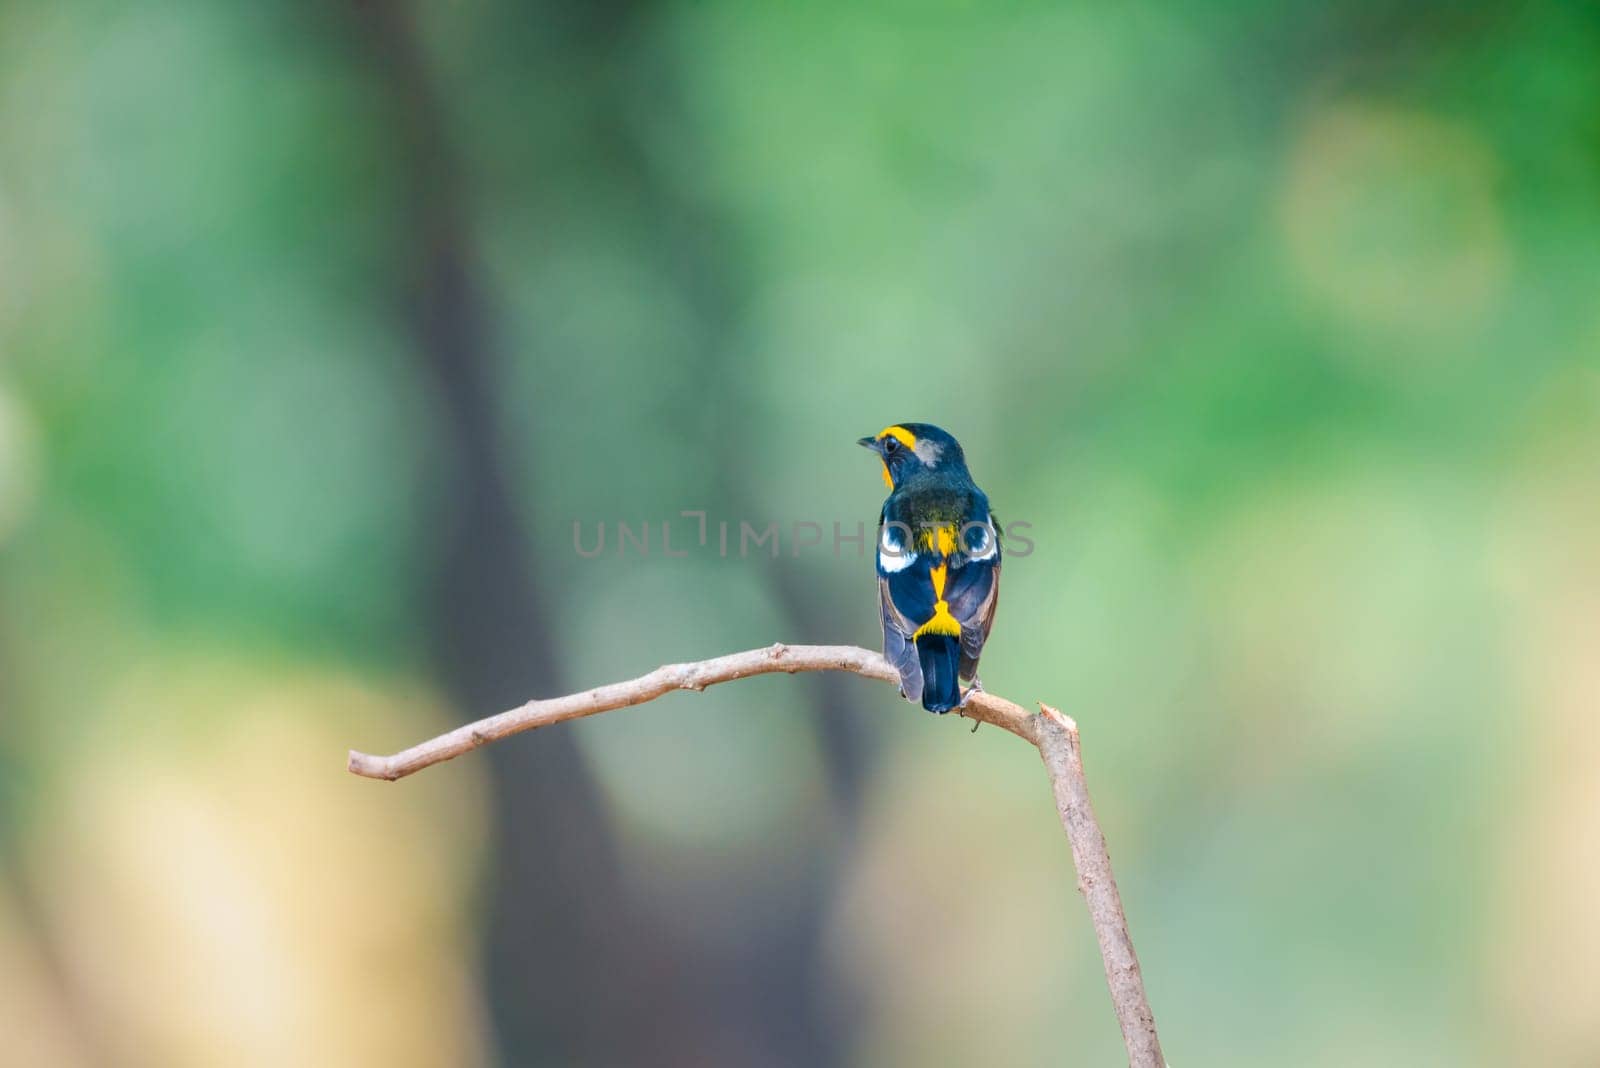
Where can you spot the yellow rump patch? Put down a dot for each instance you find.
(942, 622)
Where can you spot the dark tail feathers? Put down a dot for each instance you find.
(940, 655)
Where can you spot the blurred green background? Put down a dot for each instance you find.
(320, 324)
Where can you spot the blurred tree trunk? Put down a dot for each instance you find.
(775, 980)
(573, 976)
(786, 968)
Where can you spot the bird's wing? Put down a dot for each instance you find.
(973, 592)
(898, 648)
(905, 601)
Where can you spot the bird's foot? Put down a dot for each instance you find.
(975, 687)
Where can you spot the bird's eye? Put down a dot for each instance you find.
(892, 445)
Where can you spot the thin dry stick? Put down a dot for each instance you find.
(1063, 759)
(1055, 736)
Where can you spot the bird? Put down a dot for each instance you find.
(938, 564)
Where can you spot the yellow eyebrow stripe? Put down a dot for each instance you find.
(900, 434)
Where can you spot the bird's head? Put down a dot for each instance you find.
(910, 448)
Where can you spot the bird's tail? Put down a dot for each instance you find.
(940, 655)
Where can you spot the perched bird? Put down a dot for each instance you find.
(938, 564)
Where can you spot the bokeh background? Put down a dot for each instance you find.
(320, 324)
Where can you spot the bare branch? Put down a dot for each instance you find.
(1055, 736)
(1063, 759)
(664, 680)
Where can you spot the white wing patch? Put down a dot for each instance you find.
(980, 541)
(893, 556)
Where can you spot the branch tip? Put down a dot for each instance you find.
(1058, 718)
(368, 766)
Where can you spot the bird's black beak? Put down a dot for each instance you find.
(871, 443)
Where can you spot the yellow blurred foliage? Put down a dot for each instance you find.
(37, 1029)
(1546, 941)
(223, 892)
